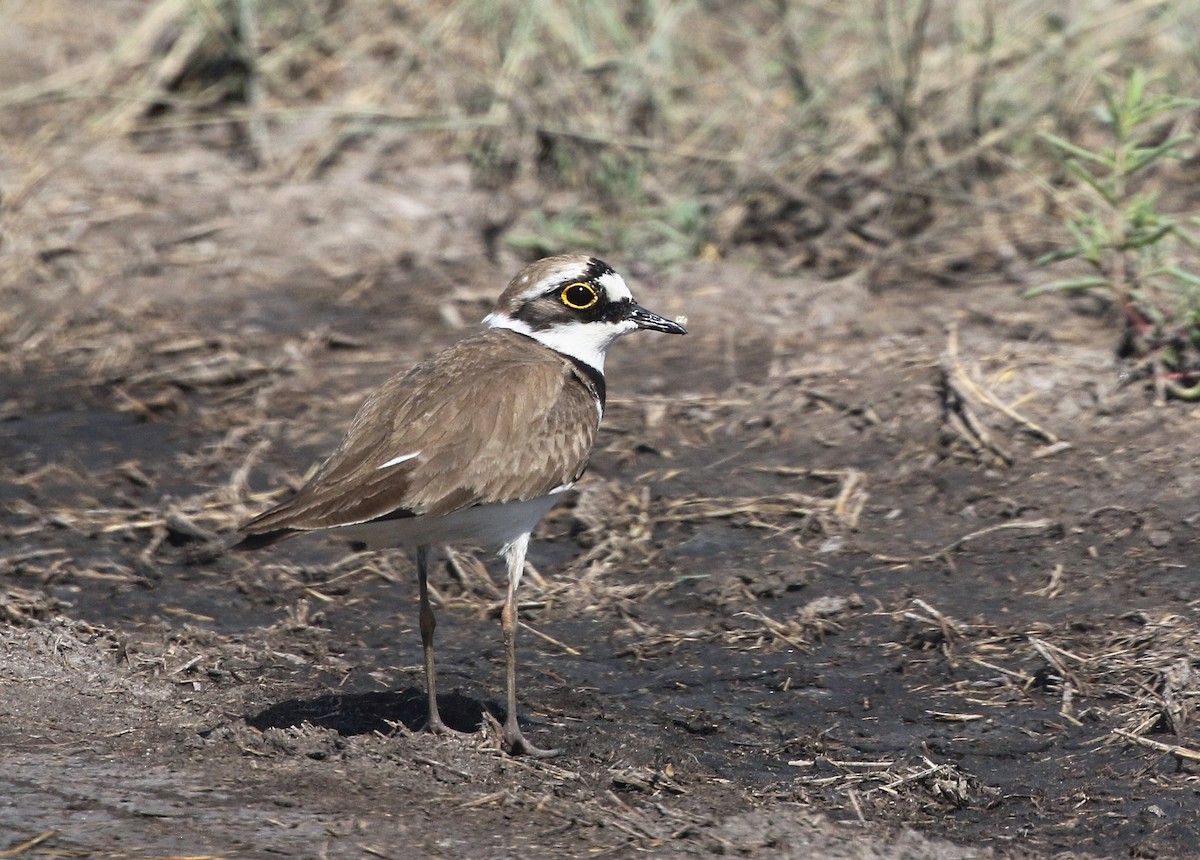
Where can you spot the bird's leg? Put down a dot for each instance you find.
(514, 556)
(428, 624)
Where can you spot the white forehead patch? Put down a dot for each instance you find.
(614, 286)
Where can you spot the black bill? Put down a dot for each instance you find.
(650, 320)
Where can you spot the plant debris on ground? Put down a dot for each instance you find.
(883, 559)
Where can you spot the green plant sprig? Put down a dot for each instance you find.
(1129, 243)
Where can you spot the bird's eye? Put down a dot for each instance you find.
(579, 296)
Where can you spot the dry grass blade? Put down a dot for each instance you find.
(959, 418)
(756, 509)
(1183, 753)
(1020, 525)
(19, 606)
(950, 629)
(28, 844)
(645, 779)
(546, 637)
(1142, 680)
(943, 783)
(786, 633)
(471, 573)
(866, 765)
(832, 516)
(956, 718)
(818, 618)
(1054, 587)
(183, 324)
(960, 391)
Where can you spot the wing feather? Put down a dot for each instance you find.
(495, 418)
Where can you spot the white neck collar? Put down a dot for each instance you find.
(584, 342)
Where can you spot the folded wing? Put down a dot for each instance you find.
(496, 418)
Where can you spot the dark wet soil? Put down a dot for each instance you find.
(790, 613)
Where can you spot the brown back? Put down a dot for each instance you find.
(496, 418)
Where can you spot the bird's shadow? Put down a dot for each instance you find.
(366, 713)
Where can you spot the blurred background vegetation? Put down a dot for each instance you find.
(900, 141)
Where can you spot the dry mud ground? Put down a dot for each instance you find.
(819, 594)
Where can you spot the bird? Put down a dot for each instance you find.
(477, 443)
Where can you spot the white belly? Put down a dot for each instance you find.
(489, 526)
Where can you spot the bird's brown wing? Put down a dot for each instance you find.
(495, 418)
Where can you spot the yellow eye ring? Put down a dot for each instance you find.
(579, 296)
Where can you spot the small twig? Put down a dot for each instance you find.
(931, 770)
(470, 572)
(483, 801)
(811, 762)
(956, 409)
(441, 765)
(955, 718)
(563, 645)
(1024, 678)
(1043, 647)
(1172, 749)
(953, 545)
(949, 625)
(959, 386)
(853, 795)
(188, 666)
(1070, 681)
(1054, 587)
(18, 850)
(779, 631)
(1068, 703)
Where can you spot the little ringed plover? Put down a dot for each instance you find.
(477, 443)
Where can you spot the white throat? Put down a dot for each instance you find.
(585, 342)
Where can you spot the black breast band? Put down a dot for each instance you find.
(589, 376)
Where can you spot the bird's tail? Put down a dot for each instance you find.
(258, 540)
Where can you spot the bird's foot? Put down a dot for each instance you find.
(517, 745)
(435, 726)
